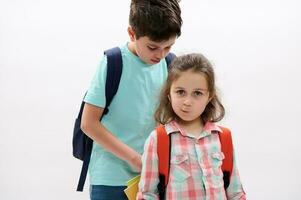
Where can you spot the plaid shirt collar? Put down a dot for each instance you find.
(209, 128)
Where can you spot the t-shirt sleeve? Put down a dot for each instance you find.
(96, 92)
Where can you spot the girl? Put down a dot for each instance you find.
(189, 108)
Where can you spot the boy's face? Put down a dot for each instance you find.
(149, 51)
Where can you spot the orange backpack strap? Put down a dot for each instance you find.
(163, 151)
(227, 149)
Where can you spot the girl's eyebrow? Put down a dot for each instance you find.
(196, 89)
(179, 88)
(193, 89)
(201, 89)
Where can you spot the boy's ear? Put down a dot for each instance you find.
(131, 33)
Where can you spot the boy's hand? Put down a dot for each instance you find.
(136, 162)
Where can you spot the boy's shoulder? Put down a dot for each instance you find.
(130, 59)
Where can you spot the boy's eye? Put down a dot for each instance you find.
(151, 48)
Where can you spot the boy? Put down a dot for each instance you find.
(119, 138)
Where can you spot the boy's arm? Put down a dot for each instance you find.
(235, 190)
(150, 174)
(96, 131)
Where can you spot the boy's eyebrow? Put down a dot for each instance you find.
(154, 45)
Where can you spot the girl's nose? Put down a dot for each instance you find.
(187, 102)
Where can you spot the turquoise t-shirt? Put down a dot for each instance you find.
(130, 116)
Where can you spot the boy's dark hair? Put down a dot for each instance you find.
(157, 19)
(197, 63)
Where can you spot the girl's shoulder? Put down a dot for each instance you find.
(153, 136)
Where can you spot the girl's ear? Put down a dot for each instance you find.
(210, 98)
(131, 33)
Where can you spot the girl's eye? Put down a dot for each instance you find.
(198, 93)
(180, 92)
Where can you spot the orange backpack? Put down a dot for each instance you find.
(164, 149)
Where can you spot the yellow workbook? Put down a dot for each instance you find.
(132, 188)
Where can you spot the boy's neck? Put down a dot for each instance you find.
(132, 48)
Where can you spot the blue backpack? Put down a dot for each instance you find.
(82, 144)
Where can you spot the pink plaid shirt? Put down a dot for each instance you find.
(195, 167)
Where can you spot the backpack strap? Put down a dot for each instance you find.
(227, 148)
(114, 70)
(164, 147)
(163, 151)
(85, 166)
(169, 58)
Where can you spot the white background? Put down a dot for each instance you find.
(49, 51)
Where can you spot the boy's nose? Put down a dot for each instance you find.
(160, 54)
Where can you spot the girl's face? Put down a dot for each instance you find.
(189, 96)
